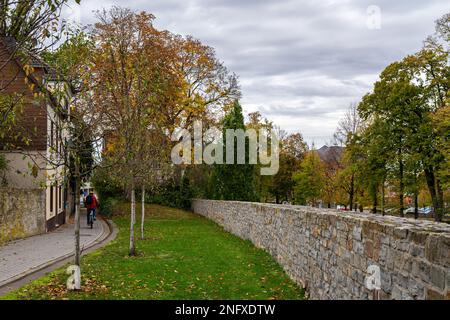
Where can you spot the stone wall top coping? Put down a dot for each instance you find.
(389, 221)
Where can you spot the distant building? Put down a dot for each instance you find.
(331, 155)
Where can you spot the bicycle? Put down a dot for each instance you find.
(91, 218)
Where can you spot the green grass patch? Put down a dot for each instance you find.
(184, 256)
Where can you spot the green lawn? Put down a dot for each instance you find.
(183, 257)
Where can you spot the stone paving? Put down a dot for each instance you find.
(19, 257)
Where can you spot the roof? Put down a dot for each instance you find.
(51, 74)
(330, 154)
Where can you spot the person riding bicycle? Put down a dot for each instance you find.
(91, 204)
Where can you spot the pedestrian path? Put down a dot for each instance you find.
(22, 257)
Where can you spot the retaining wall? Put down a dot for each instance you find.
(329, 252)
(22, 213)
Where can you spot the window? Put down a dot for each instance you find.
(51, 198)
(57, 141)
(56, 197)
(51, 133)
(60, 197)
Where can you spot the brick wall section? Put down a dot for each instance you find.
(22, 213)
(329, 251)
(32, 122)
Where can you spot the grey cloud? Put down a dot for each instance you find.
(300, 62)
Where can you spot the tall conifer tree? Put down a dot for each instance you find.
(234, 181)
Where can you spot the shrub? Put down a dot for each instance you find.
(3, 167)
(172, 195)
(105, 186)
(107, 206)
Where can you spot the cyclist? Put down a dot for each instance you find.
(91, 204)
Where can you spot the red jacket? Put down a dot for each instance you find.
(94, 203)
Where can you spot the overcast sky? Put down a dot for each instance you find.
(300, 62)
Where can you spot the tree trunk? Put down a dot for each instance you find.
(77, 213)
(352, 191)
(142, 212)
(133, 218)
(382, 199)
(429, 177)
(374, 198)
(375, 203)
(416, 205)
(402, 185)
(439, 211)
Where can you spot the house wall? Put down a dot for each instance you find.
(22, 213)
(55, 174)
(19, 176)
(32, 121)
(55, 202)
(33, 135)
(19, 172)
(329, 251)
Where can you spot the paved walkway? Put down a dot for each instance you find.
(24, 256)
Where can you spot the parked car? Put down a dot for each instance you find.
(411, 210)
(424, 211)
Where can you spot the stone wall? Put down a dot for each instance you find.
(329, 252)
(22, 213)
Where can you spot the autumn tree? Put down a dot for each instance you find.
(348, 127)
(347, 175)
(369, 157)
(441, 121)
(123, 91)
(332, 165)
(392, 101)
(142, 88)
(292, 152)
(208, 87)
(153, 155)
(405, 99)
(431, 74)
(309, 180)
(71, 63)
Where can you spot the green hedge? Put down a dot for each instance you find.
(107, 206)
(172, 195)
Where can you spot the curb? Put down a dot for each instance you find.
(109, 233)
